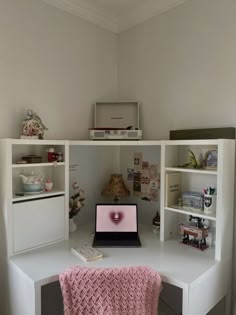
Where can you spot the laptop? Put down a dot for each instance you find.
(116, 225)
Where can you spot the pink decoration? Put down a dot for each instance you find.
(110, 291)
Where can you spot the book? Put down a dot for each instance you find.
(87, 253)
(173, 189)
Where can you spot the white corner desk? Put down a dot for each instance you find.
(196, 273)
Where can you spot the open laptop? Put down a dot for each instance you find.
(116, 225)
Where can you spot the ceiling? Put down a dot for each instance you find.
(115, 15)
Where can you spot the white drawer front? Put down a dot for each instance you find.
(38, 222)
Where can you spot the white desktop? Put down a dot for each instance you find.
(178, 265)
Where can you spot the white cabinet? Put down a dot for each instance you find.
(37, 222)
(33, 219)
(220, 220)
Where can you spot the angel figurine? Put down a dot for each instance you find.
(33, 126)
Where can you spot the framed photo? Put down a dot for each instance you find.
(211, 159)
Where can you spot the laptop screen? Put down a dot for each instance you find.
(116, 218)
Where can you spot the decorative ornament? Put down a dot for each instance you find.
(32, 126)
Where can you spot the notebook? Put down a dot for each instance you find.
(116, 225)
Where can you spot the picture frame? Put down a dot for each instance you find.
(211, 158)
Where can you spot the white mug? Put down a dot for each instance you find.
(209, 203)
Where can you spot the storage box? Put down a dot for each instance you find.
(193, 200)
(209, 133)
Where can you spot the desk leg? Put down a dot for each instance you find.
(185, 302)
(37, 296)
(228, 302)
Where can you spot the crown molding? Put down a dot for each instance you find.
(143, 13)
(88, 13)
(101, 18)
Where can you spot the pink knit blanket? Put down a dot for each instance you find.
(110, 291)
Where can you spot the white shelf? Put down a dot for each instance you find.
(176, 153)
(43, 194)
(54, 164)
(191, 170)
(195, 212)
(39, 142)
(201, 142)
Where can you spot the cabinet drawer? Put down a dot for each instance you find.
(38, 222)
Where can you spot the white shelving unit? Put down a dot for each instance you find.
(175, 153)
(36, 219)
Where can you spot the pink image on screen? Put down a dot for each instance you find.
(116, 218)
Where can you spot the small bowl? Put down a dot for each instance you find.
(32, 187)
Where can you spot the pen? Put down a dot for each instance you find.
(212, 191)
(209, 190)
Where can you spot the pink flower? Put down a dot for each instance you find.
(82, 193)
(76, 200)
(75, 185)
(79, 204)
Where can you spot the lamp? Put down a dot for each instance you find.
(116, 187)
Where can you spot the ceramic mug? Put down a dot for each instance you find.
(59, 157)
(209, 203)
(52, 156)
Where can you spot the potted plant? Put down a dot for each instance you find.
(76, 203)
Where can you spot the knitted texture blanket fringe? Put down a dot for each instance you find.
(110, 291)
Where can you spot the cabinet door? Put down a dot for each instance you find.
(38, 222)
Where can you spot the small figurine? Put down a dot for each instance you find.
(33, 126)
(180, 202)
(156, 219)
(194, 234)
(156, 223)
(48, 185)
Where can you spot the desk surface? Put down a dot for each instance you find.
(178, 264)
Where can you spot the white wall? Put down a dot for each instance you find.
(54, 63)
(182, 66)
